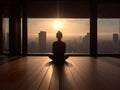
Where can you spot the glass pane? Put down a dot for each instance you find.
(108, 36)
(5, 35)
(42, 34)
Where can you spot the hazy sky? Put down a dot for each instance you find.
(69, 27)
(108, 26)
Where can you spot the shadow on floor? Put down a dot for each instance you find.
(60, 74)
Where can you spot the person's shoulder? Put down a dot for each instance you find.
(54, 42)
(63, 42)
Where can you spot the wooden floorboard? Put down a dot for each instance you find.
(77, 73)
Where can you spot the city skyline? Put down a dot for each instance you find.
(74, 45)
(105, 40)
(77, 45)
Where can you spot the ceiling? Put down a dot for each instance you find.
(67, 8)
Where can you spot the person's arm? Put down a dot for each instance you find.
(53, 48)
(64, 47)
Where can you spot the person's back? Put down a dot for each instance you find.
(59, 49)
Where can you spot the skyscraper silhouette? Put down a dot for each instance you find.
(86, 43)
(115, 43)
(42, 41)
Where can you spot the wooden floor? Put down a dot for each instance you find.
(78, 73)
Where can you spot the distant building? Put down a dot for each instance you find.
(42, 41)
(116, 42)
(86, 43)
(32, 48)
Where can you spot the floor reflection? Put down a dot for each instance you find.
(59, 79)
(77, 73)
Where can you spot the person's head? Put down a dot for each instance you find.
(59, 35)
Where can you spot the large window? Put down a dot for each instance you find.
(108, 28)
(42, 33)
(108, 36)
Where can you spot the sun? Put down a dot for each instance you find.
(58, 24)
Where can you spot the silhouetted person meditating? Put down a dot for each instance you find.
(59, 49)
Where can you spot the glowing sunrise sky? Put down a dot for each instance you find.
(69, 27)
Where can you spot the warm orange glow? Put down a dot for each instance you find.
(58, 24)
(68, 26)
